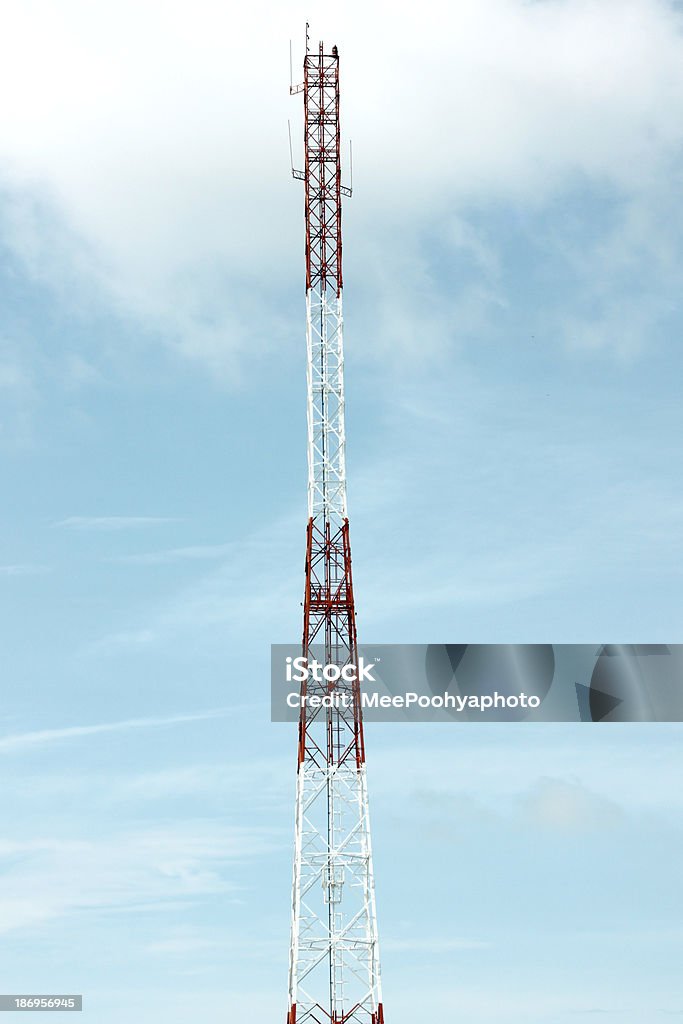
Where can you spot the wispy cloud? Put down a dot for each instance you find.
(433, 946)
(257, 579)
(154, 867)
(187, 941)
(568, 806)
(112, 522)
(196, 552)
(270, 778)
(24, 569)
(42, 737)
(125, 638)
(545, 767)
(191, 785)
(18, 395)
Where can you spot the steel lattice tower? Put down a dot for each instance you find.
(334, 973)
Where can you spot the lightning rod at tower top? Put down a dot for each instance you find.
(334, 967)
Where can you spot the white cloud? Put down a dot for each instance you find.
(145, 148)
(184, 942)
(256, 582)
(518, 772)
(192, 552)
(45, 879)
(23, 569)
(567, 806)
(112, 522)
(21, 741)
(270, 783)
(433, 946)
(17, 396)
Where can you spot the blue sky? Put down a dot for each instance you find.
(513, 261)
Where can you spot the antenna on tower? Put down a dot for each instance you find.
(294, 89)
(347, 190)
(299, 175)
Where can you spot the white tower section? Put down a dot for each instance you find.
(326, 434)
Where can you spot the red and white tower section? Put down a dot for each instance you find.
(334, 972)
